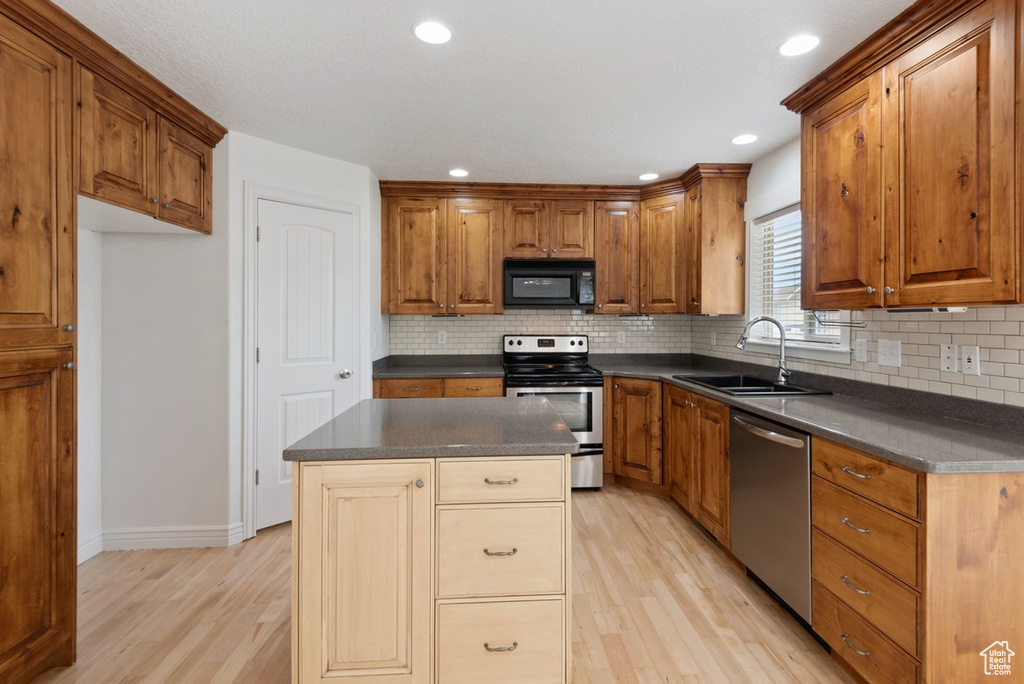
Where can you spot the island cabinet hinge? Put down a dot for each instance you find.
(257, 477)
(257, 354)
(257, 233)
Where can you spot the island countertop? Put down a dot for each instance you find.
(428, 428)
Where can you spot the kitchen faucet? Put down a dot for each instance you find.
(783, 372)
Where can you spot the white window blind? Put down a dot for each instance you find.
(774, 253)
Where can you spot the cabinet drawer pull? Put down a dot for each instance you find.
(859, 652)
(474, 389)
(845, 579)
(846, 469)
(489, 481)
(410, 389)
(513, 552)
(502, 649)
(846, 521)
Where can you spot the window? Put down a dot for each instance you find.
(774, 253)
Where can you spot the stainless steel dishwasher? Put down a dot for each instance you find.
(770, 491)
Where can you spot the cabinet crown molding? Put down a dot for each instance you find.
(920, 21)
(699, 172)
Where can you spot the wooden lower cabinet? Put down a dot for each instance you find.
(636, 429)
(38, 564)
(677, 444)
(432, 388)
(392, 586)
(710, 447)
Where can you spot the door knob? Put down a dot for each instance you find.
(345, 374)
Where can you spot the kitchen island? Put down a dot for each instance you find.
(431, 542)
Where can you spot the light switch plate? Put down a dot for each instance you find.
(971, 360)
(860, 350)
(622, 337)
(947, 361)
(889, 353)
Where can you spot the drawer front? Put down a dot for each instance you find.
(500, 550)
(875, 658)
(407, 388)
(500, 480)
(887, 604)
(533, 629)
(883, 538)
(876, 480)
(474, 387)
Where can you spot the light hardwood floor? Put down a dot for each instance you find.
(653, 601)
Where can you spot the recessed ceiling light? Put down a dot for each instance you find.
(745, 139)
(798, 45)
(432, 32)
(458, 173)
(648, 176)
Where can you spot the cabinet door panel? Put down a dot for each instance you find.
(711, 472)
(572, 229)
(185, 179)
(37, 500)
(637, 429)
(526, 229)
(842, 192)
(949, 117)
(662, 257)
(118, 161)
(37, 237)
(617, 248)
(365, 588)
(677, 444)
(416, 240)
(474, 256)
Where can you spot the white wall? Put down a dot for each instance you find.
(89, 371)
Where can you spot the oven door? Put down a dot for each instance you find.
(581, 408)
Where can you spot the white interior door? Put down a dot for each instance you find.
(307, 336)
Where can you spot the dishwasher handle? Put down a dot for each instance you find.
(768, 434)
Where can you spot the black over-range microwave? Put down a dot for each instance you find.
(549, 283)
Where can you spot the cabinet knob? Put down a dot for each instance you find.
(70, 365)
(600, 306)
(544, 249)
(167, 205)
(554, 250)
(869, 290)
(889, 290)
(441, 305)
(451, 306)
(694, 301)
(420, 483)
(615, 386)
(643, 306)
(69, 327)
(154, 200)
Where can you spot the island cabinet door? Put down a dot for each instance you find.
(362, 572)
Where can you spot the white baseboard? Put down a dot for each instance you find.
(89, 547)
(132, 538)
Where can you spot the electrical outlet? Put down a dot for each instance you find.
(860, 350)
(971, 360)
(947, 360)
(442, 337)
(889, 353)
(713, 339)
(622, 337)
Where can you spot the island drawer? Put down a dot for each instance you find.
(474, 387)
(500, 479)
(508, 550)
(858, 643)
(408, 388)
(495, 641)
(884, 538)
(877, 480)
(887, 604)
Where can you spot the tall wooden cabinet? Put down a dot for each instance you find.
(909, 155)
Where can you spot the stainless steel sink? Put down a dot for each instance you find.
(748, 385)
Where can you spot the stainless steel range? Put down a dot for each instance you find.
(556, 367)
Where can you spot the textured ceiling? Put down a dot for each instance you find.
(563, 91)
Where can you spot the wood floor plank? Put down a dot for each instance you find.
(654, 600)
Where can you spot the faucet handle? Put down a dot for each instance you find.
(784, 374)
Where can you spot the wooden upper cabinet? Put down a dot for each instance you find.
(948, 165)
(474, 262)
(135, 158)
(37, 232)
(616, 246)
(842, 200)
(543, 229)
(417, 248)
(662, 255)
(716, 238)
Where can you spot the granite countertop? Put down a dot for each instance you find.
(427, 428)
(441, 366)
(927, 443)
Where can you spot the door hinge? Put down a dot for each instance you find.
(257, 477)
(257, 354)
(257, 233)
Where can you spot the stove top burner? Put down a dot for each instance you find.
(548, 360)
